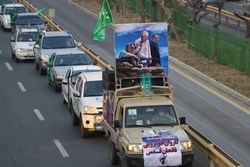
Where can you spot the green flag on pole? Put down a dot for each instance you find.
(12, 16)
(104, 18)
(40, 11)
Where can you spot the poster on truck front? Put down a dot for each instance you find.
(161, 151)
(141, 47)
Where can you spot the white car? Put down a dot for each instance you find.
(22, 43)
(5, 19)
(70, 77)
(86, 107)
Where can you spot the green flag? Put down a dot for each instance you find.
(104, 18)
(40, 11)
(12, 16)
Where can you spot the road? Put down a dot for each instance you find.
(28, 140)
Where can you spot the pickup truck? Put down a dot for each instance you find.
(86, 103)
(141, 121)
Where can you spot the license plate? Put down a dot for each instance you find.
(99, 127)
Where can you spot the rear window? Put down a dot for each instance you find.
(93, 88)
(29, 20)
(2, 2)
(72, 59)
(58, 42)
(26, 36)
(15, 10)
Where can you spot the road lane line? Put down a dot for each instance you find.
(61, 148)
(21, 86)
(8, 66)
(39, 115)
(212, 91)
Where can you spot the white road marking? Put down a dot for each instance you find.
(39, 115)
(8, 66)
(61, 148)
(21, 86)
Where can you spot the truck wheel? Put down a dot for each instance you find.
(64, 101)
(84, 131)
(41, 71)
(75, 120)
(124, 162)
(114, 159)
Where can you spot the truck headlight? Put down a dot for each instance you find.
(135, 147)
(90, 110)
(20, 50)
(6, 21)
(45, 58)
(59, 76)
(186, 145)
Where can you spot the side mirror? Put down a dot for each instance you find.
(79, 44)
(182, 120)
(65, 82)
(95, 62)
(117, 124)
(76, 94)
(12, 39)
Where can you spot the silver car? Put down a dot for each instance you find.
(246, 7)
(60, 62)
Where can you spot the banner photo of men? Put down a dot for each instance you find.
(141, 46)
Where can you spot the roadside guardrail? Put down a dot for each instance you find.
(214, 153)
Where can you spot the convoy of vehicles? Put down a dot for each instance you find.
(22, 43)
(5, 10)
(133, 105)
(49, 43)
(60, 62)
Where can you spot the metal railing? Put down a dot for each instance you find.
(214, 153)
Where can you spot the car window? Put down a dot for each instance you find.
(6, 2)
(93, 88)
(58, 42)
(29, 20)
(81, 59)
(15, 10)
(26, 36)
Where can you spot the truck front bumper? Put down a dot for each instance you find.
(138, 161)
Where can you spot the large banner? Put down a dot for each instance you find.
(141, 45)
(161, 151)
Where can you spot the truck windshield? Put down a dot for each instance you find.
(150, 116)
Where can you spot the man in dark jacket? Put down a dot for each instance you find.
(155, 53)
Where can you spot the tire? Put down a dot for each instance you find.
(16, 59)
(36, 65)
(124, 162)
(74, 118)
(56, 87)
(41, 71)
(114, 158)
(84, 131)
(64, 101)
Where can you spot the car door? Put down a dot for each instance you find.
(65, 87)
(77, 99)
(13, 42)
